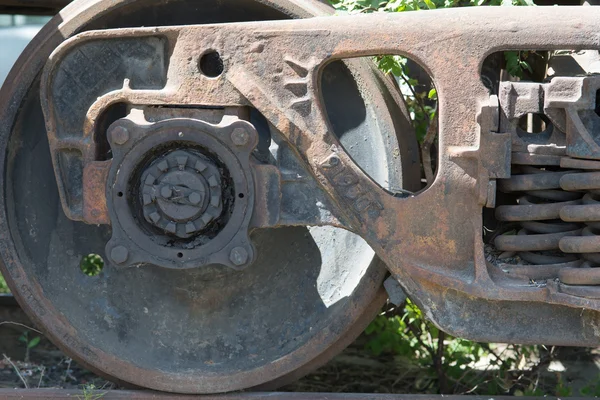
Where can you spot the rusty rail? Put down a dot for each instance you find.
(35, 394)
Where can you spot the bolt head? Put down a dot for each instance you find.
(195, 198)
(119, 254)
(238, 256)
(120, 135)
(190, 228)
(166, 192)
(240, 137)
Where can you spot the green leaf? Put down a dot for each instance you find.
(432, 95)
(429, 4)
(34, 342)
(513, 63)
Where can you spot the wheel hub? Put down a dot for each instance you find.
(181, 193)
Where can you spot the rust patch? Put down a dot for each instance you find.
(95, 175)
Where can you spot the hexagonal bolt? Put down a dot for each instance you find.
(190, 228)
(119, 254)
(195, 198)
(166, 192)
(200, 166)
(147, 199)
(212, 181)
(149, 179)
(171, 227)
(120, 135)
(182, 162)
(238, 256)
(155, 217)
(163, 165)
(240, 137)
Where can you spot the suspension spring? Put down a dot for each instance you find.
(586, 245)
(541, 185)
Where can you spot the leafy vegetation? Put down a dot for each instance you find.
(3, 286)
(365, 6)
(421, 104)
(450, 365)
(91, 264)
(29, 343)
(90, 392)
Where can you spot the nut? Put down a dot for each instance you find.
(120, 135)
(195, 198)
(240, 137)
(166, 192)
(238, 256)
(119, 254)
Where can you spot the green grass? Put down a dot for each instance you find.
(3, 286)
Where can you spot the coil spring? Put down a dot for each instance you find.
(586, 245)
(558, 233)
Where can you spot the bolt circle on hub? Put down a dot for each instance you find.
(238, 256)
(173, 193)
(119, 254)
(181, 192)
(120, 135)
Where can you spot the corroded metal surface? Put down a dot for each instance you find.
(35, 394)
(196, 330)
(428, 255)
(207, 171)
(431, 242)
(95, 174)
(554, 175)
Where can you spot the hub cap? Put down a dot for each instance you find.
(181, 193)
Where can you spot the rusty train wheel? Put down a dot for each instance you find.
(311, 291)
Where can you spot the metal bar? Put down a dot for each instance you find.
(41, 394)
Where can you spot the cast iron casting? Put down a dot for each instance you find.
(431, 242)
(253, 297)
(160, 145)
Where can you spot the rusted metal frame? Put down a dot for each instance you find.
(271, 210)
(282, 200)
(396, 227)
(569, 103)
(430, 242)
(84, 141)
(456, 47)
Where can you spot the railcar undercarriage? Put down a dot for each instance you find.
(249, 178)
